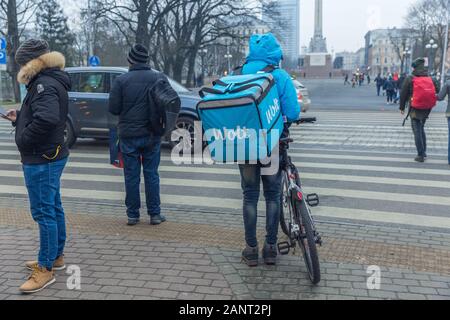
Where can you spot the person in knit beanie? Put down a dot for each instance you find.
(134, 98)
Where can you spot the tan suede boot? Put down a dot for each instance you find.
(58, 265)
(39, 279)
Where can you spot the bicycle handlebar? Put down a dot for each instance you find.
(305, 120)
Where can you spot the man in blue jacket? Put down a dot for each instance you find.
(266, 51)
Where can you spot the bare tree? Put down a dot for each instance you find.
(429, 19)
(15, 15)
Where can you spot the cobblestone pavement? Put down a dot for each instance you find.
(179, 260)
(378, 208)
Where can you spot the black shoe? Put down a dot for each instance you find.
(133, 221)
(157, 220)
(250, 256)
(419, 159)
(270, 254)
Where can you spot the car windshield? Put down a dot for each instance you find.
(178, 87)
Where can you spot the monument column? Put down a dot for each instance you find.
(318, 32)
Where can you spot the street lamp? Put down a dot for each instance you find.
(203, 52)
(406, 54)
(432, 47)
(229, 57)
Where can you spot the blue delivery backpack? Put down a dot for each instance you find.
(241, 118)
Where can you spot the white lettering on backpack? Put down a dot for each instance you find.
(229, 134)
(273, 110)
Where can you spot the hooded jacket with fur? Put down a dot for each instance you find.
(42, 119)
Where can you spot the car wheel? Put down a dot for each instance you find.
(186, 123)
(69, 135)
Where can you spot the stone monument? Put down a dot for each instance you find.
(318, 63)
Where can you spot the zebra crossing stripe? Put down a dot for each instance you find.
(234, 204)
(383, 217)
(218, 169)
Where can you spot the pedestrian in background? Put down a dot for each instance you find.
(346, 80)
(40, 126)
(133, 97)
(379, 83)
(445, 92)
(389, 87)
(419, 91)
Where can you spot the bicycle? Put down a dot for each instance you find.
(295, 217)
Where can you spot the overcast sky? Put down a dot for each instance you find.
(347, 21)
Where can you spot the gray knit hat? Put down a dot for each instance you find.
(30, 50)
(138, 54)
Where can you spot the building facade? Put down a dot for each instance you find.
(384, 51)
(350, 60)
(289, 30)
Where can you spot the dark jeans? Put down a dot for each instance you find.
(141, 152)
(378, 90)
(251, 183)
(43, 182)
(390, 95)
(420, 137)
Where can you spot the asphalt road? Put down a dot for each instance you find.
(331, 94)
(360, 163)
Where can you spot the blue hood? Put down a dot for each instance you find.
(265, 47)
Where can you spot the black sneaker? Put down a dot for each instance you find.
(250, 256)
(133, 221)
(270, 253)
(157, 220)
(419, 159)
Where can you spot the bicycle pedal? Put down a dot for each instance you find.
(284, 248)
(318, 239)
(313, 199)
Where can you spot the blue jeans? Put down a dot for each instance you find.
(141, 152)
(420, 137)
(43, 182)
(251, 181)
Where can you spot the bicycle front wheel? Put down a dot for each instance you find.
(286, 210)
(307, 242)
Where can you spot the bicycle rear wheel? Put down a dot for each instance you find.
(307, 242)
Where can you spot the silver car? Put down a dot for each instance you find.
(302, 95)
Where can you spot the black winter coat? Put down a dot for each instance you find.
(129, 99)
(42, 119)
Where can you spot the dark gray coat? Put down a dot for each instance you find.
(445, 91)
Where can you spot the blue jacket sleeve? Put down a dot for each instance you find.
(288, 97)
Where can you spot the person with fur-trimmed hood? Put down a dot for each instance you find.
(40, 126)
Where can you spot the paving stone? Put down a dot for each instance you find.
(422, 290)
(411, 296)
(167, 294)
(113, 289)
(208, 290)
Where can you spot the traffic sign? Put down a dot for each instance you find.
(3, 44)
(2, 60)
(94, 61)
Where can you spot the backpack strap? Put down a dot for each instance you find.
(238, 70)
(269, 69)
